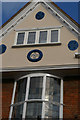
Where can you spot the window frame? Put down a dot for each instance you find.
(42, 99)
(16, 36)
(37, 36)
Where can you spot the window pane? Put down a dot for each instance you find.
(17, 111)
(43, 37)
(51, 111)
(31, 37)
(52, 94)
(34, 110)
(56, 92)
(20, 38)
(49, 88)
(35, 90)
(54, 35)
(52, 89)
(20, 90)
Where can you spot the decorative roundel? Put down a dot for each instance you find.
(73, 45)
(2, 48)
(34, 55)
(40, 15)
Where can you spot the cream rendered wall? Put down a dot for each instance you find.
(52, 55)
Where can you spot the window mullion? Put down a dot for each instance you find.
(26, 97)
(37, 37)
(61, 100)
(26, 37)
(59, 35)
(10, 115)
(15, 42)
(49, 36)
(43, 96)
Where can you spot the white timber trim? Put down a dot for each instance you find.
(12, 102)
(60, 67)
(61, 100)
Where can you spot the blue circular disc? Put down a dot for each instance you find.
(39, 15)
(34, 55)
(2, 48)
(73, 45)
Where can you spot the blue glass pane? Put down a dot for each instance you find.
(39, 15)
(73, 45)
(2, 48)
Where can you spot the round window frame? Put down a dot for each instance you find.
(69, 44)
(3, 48)
(37, 59)
(41, 17)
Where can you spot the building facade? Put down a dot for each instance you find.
(40, 63)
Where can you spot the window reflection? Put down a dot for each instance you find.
(52, 94)
(49, 88)
(56, 92)
(51, 111)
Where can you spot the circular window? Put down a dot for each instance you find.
(2, 48)
(35, 55)
(73, 45)
(39, 15)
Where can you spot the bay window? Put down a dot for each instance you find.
(36, 96)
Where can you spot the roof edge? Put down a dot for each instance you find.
(78, 25)
(15, 14)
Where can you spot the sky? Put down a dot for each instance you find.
(10, 8)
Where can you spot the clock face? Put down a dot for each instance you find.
(40, 15)
(73, 45)
(34, 55)
(2, 48)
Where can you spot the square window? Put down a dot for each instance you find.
(43, 37)
(54, 35)
(20, 38)
(31, 37)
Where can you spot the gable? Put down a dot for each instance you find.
(30, 21)
(53, 54)
(51, 7)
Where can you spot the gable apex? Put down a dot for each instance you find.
(50, 6)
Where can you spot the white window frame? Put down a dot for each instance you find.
(44, 75)
(37, 36)
(15, 42)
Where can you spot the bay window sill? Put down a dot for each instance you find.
(32, 45)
